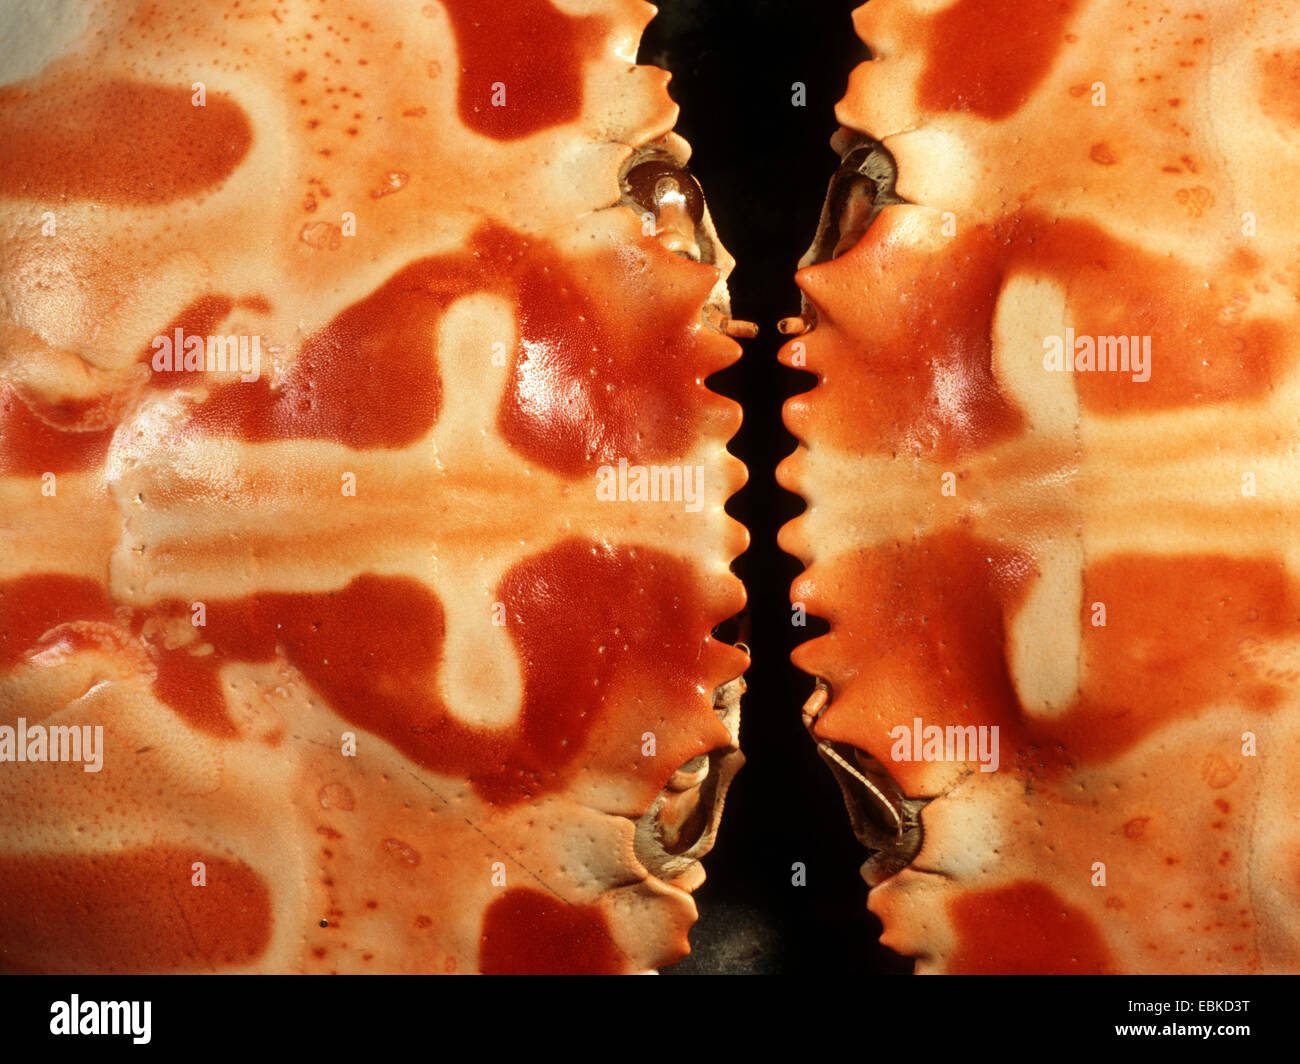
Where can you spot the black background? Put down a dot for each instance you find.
(764, 164)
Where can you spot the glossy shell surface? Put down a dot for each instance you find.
(387, 681)
(1100, 564)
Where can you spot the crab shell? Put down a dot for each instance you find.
(386, 681)
(1100, 564)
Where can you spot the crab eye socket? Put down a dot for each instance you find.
(857, 208)
(671, 203)
(859, 190)
(691, 774)
(657, 183)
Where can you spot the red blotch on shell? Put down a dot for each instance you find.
(533, 52)
(118, 142)
(135, 911)
(1024, 929)
(526, 932)
(988, 56)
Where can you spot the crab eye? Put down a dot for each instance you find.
(673, 198)
(657, 181)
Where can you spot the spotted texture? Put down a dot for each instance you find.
(385, 685)
(1101, 564)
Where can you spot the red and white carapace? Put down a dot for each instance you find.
(1051, 473)
(361, 501)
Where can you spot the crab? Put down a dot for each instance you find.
(363, 532)
(1050, 469)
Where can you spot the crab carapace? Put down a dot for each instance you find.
(361, 501)
(1050, 468)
